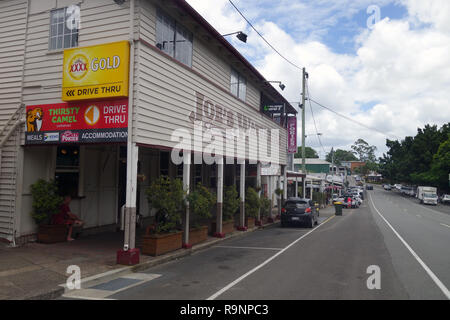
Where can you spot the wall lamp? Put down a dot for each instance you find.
(240, 35)
(282, 86)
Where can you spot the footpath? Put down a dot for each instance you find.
(39, 271)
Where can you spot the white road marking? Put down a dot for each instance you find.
(232, 284)
(436, 280)
(99, 294)
(418, 215)
(445, 225)
(258, 248)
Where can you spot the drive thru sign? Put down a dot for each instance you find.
(96, 72)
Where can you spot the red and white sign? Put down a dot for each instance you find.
(292, 134)
(84, 122)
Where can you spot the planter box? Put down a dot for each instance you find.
(157, 244)
(52, 233)
(198, 235)
(227, 227)
(250, 222)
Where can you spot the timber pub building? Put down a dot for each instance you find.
(91, 92)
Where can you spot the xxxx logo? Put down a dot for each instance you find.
(78, 67)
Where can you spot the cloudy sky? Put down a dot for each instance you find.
(392, 75)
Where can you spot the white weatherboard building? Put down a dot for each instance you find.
(180, 71)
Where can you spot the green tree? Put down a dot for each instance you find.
(46, 201)
(419, 159)
(231, 202)
(309, 153)
(365, 151)
(341, 155)
(252, 203)
(167, 197)
(201, 202)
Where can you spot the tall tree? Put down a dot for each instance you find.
(420, 159)
(341, 155)
(365, 151)
(309, 153)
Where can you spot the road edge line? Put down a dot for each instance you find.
(436, 280)
(245, 275)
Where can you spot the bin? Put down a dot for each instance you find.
(338, 208)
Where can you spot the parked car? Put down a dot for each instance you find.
(445, 199)
(387, 187)
(297, 211)
(352, 203)
(369, 187)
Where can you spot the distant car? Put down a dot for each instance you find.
(387, 187)
(297, 211)
(369, 187)
(349, 201)
(446, 199)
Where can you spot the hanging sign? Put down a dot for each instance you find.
(292, 134)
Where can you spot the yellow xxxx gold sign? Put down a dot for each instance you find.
(96, 72)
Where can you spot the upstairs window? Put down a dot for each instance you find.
(238, 84)
(64, 26)
(173, 39)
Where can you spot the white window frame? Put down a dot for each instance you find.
(52, 36)
(241, 88)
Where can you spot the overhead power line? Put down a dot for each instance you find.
(353, 120)
(262, 37)
(314, 120)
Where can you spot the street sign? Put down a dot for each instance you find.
(277, 108)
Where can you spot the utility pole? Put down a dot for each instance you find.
(332, 168)
(304, 77)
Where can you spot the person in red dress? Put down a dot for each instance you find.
(66, 217)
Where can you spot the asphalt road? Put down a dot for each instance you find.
(409, 244)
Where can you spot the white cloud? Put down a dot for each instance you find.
(401, 65)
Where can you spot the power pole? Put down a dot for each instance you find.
(332, 168)
(304, 77)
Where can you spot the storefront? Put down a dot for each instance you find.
(104, 116)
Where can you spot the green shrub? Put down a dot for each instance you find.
(167, 197)
(279, 192)
(265, 207)
(252, 203)
(230, 202)
(46, 201)
(201, 202)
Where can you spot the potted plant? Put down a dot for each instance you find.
(231, 203)
(279, 193)
(252, 205)
(201, 202)
(46, 203)
(265, 208)
(167, 197)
